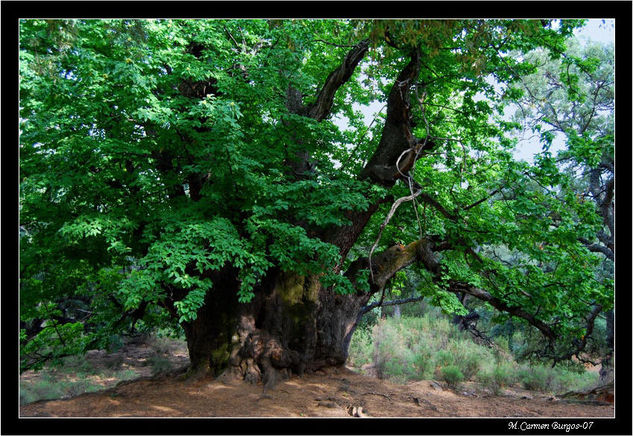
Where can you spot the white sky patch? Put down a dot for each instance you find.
(598, 30)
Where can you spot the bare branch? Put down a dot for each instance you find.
(390, 303)
(394, 206)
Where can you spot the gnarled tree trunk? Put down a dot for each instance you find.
(294, 324)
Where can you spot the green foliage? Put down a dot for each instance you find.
(556, 380)
(361, 348)
(415, 347)
(75, 377)
(452, 375)
(390, 355)
(157, 154)
(55, 340)
(159, 364)
(536, 378)
(430, 347)
(444, 358)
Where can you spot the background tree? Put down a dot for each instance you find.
(188, 172)
(570, 100)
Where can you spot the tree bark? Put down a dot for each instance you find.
(293, 324)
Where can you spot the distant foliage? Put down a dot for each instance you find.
(429, 347)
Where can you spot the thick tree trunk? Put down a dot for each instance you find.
(210, 335)
(292, 325)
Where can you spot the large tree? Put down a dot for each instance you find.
(219, 175)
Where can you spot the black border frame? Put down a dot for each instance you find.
(11, 11)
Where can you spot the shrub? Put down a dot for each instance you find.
(126, 374)
(498, 377)
(26, 395)
(504, 374)
(452, 375)
(469, 357)
(503, 344)
(75, 365)
(361, 348)
(392, 358)
(519, 344)
(443, 358)
(422, 361)
(566, 381)
(72, 389)
(535, 378)
(46, 390)
(556, 380)
(159, 364)
(469, 365)
(424, 347)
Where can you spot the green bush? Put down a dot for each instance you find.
(469, 357)
(444, 358)
(27, 395)
(504, 374)
(72, 365)
(469, 365)
(452, 375)
(535, 378)
(72, 389)
(126, 374)
(497, 377)
(361, 348)
(43, 389)
(392, 358)
(422, 347)
(502, 343)
(556, 380)
(423, 361)
(569, 380)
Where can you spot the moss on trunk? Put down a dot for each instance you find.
(292, 326)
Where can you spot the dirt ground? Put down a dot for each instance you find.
(337, 392)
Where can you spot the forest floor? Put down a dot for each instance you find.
(336, 392)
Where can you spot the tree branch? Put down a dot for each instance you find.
(502, 306)
(320, 109)
(381, 168)
(477, 203)
(371, 306)
(582, 343)
(323, 105)
(396, 135)
(430, 200)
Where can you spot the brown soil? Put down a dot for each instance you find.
(332, 393)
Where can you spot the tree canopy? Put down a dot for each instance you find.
(157, 154)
